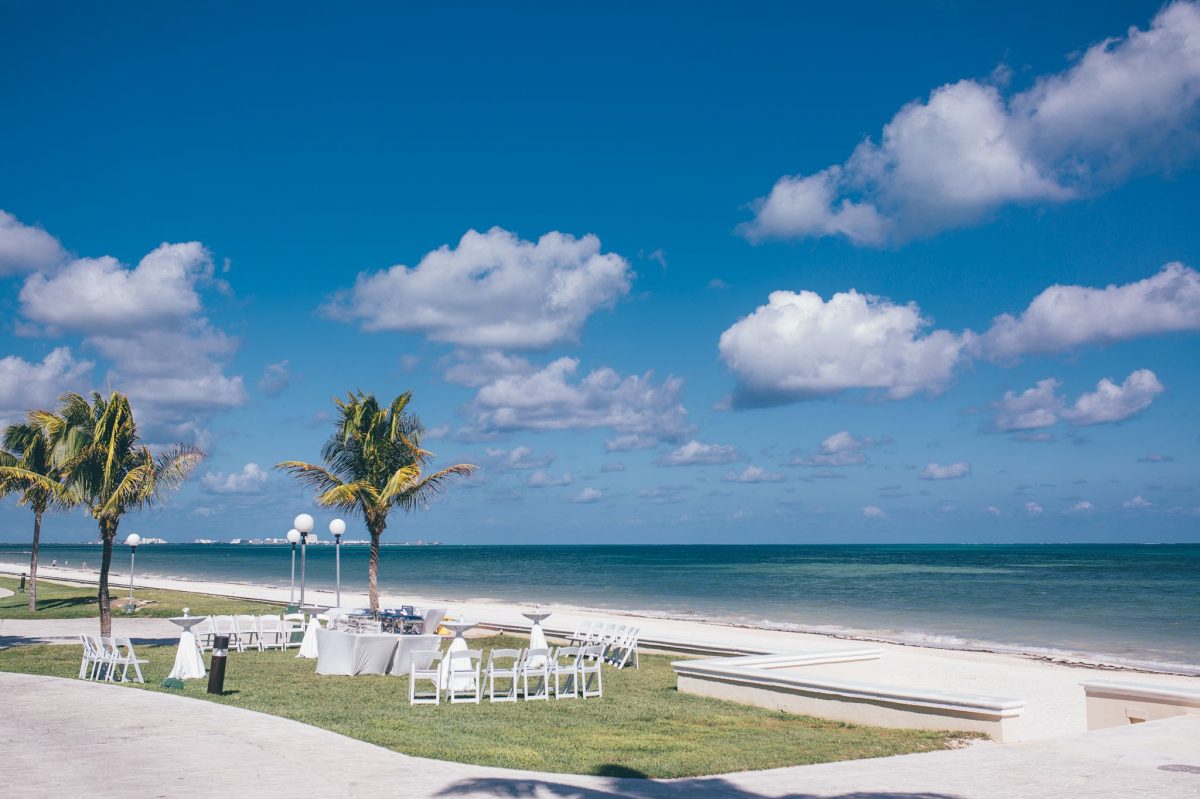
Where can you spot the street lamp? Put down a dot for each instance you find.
(303, 523)
(131, 541)
(337, 527)
(293, 537)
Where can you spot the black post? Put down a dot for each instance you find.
(216, 667)
(21, 587)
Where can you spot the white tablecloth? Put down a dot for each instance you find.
(308, 646)
(189, 663)
(352, 654)
(459, 679)
(408, 644)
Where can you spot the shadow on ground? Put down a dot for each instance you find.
(648, 789)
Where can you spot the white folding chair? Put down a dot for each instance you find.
(293, 629)
(626, 649)
(425, 666)
(224, 625)
(536, 665)
(565, 663)
(91, 656)
(126, 657)
(465, 685)
(591, 680)
(498, 671)
(204, 634)
(247, 632)
(270, 632)
(109, 655)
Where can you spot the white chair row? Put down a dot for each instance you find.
(103, 656)
(246, 631)
(620, 641)
(529, 673)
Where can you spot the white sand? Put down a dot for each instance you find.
(1054, 699)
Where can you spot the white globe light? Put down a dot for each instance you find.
(132, 540)
(303, 523)
(337, 527)
(293, 536)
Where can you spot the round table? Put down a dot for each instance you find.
(537, 638)
(189, 662)
(459, 680)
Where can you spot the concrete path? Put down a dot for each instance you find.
(70, 737)
(14, 632)
(5, 592)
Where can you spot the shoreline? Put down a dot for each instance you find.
(1098, 661)
(1055, 703)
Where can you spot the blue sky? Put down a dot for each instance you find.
(772, 245)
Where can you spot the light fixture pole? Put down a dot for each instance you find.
(293, 538)
(303, 523)
(337, 527)
(131, 541)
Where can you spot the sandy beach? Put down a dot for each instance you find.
(1054, 699)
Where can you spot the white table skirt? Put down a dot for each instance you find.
(351, 654)
(402, 661)
(189, 663)
(458, 679)
(308, 646)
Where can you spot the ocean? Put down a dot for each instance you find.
(1126, 604)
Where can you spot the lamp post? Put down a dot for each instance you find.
(293, 537)
(131, 541)
(337, 527)
(304, 524)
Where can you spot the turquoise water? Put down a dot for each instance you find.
(1136, 604)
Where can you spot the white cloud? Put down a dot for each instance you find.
(1062, 318)
(1033, 509)
(1112, 403)
(25, 385)
(993, 510)
(25, 248)
(1041, 406)
(839, 449)
(548, 400)
(629, 442)
(613, 467)
(874, 512)
(696, 453)
(518, 458)
(1083, 506)
(250, 480)
(1137, 503)
(1127, 105)
(478, 368)
(953, 471)
(275, 378)
(752, 474)
(492, 290)
(588, 496)
(100, 295)
(540, 479)
(1156, 458)
(147, 321)
(798, 346)
(1033, 408)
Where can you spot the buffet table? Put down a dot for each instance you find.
(351, 654)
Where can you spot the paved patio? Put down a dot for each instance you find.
(63, 737)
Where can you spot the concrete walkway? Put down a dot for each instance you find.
(70, 737)
(14, 632)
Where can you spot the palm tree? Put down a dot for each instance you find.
(26, 467)
(96, 446)
(374, 463)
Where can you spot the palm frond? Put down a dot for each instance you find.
(430, 486)
(174, 465)
(313, 477)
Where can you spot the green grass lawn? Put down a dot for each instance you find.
(65, 601)
(642, 725)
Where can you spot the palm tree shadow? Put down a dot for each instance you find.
(647, 789)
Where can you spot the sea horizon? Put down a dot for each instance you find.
(1130, 605)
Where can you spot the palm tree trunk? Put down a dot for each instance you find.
(373, 571)
(108, 531)
(37, 533)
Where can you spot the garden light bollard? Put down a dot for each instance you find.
(216, 667)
